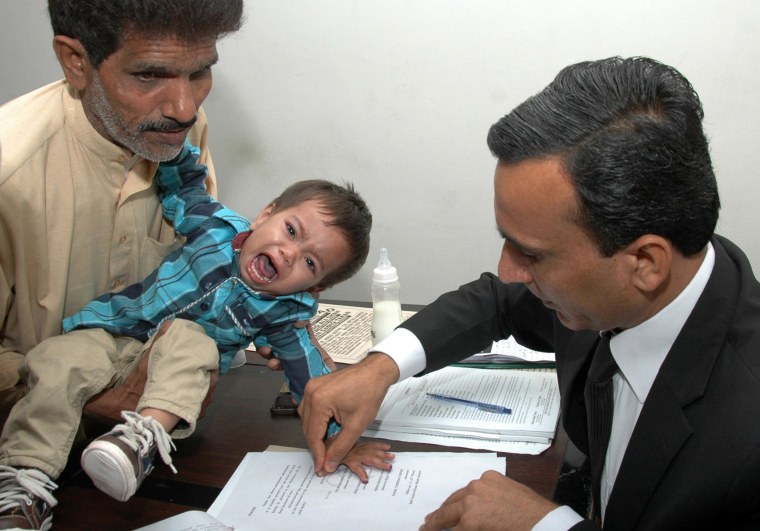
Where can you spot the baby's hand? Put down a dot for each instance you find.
(368, 454)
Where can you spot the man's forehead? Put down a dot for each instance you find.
(166, 50)
(541, 182)
(534, 200)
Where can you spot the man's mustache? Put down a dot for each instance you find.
(166, 126)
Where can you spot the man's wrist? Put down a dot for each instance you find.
(406, 351)
(384, 366)
(561, 518)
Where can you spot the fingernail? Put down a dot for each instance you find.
(331, 466)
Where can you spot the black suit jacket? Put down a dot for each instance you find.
(693, 461)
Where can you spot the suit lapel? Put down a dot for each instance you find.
(655, 441)
(663, 426)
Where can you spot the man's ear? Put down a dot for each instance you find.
(652, 258)
(74, 61)
(263, 215)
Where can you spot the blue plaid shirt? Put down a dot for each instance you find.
(200, 282)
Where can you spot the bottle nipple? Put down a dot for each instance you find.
(384, 272)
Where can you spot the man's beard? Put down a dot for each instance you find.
(132, 138)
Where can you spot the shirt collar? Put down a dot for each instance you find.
(239, 239)
(640, 351)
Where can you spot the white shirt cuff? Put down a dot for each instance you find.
(560, 519)
(405, 349)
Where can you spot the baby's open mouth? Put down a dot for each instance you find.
(262, 268)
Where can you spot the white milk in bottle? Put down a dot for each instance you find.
(386, 298)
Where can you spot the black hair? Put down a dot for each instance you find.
(101, 25)
(629, 134)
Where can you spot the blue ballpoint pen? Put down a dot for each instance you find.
(491, 408)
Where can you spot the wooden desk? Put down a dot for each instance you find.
(238, 421)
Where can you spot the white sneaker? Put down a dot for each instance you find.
(26, 499)
(118, 461)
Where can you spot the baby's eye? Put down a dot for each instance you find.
(291, 230)
(310, 264)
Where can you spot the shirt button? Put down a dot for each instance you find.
(204, 306)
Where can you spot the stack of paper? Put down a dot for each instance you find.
(507, 353)
(278, 491)
(533, 397)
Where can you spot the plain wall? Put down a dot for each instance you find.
(397, 96)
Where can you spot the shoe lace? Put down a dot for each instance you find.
(140, 432)
(19, 486)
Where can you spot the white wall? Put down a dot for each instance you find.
(397, 96)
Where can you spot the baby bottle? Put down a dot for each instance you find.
(386, 301)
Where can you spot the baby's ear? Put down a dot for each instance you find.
(263, 215)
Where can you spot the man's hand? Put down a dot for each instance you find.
(352, 396)
(492, 503)
(274, 364)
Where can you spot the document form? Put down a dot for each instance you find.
(273, 491)
(532, 396)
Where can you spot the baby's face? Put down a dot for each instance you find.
(291, 250)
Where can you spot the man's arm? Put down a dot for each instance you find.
(465, 321)
(341, 399)
(453, 327)
(352, 396)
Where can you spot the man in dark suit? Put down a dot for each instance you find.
(607, 202)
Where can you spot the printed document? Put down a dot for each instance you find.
(345, 332)
(473, 443)
(508, 353)
(533, 397)
(278, 491)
